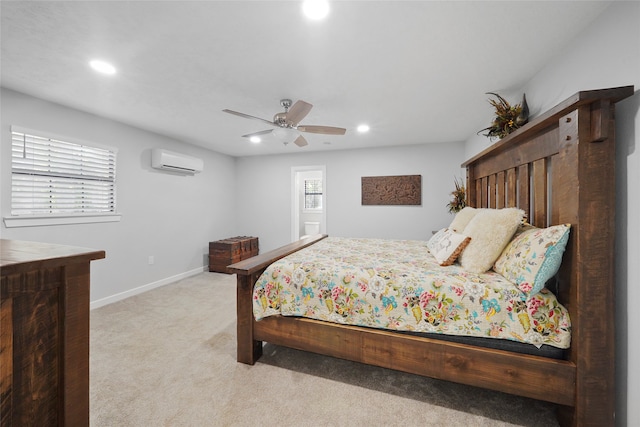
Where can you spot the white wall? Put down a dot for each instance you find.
(171, 217)
(264, 207)
(608, 55)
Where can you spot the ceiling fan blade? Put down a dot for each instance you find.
(298, 111)
(327, 130)
(262, 132)
(246, 116)
(300, 141)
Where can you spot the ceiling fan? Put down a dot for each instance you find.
(289, 121)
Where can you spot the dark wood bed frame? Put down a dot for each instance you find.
(559, 168)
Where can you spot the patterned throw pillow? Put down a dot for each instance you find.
(533, 257)
(446, 245)
(490, 231)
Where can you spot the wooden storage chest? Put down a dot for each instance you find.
(231, 250)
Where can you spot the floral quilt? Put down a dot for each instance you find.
(398, 285)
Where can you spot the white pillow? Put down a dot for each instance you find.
(462, 218)
(446, 245)
(490, 231)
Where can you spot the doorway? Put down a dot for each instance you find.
(308, 200)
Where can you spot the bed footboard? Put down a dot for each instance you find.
(248, 271)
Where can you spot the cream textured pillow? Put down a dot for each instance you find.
(490, 231)
(462, 218)
(446, 245)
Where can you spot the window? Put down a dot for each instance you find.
(313, 194)
(53, 178)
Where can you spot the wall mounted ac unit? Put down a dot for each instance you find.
(176, 162)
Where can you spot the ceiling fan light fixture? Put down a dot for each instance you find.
(285, 134)
(287, 127)
(315, 9)
(363, 128)
(255, 139)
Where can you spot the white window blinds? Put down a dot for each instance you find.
(53, 177)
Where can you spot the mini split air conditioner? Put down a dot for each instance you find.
(176, 162)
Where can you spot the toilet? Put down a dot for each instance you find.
(311, 228)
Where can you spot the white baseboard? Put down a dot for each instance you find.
(126, 294)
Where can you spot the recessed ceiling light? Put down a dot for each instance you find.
(363, 128)
(255, 139)
(102, 67)
(315, 9)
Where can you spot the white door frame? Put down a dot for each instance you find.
(295, 198)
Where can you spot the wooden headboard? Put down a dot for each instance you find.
(560, 168)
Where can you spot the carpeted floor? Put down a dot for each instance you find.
(167, 358)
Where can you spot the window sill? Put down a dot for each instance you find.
(39, 221)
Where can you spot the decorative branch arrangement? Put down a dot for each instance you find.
(508, 117)
(459, 200)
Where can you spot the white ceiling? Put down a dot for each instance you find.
(415, 71)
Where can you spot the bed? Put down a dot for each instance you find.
(559, 169)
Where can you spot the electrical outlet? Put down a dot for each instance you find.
(151, 260)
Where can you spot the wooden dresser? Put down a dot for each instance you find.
(44, 332)
(229, 251)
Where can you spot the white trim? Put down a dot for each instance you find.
(39, 221)
(144, 288)
(295, 199)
